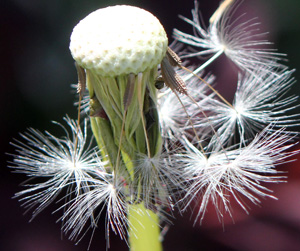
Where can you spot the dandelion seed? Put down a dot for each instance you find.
(157, 180)
(237, 172)
(261, 97)
(259, 100)
(58, 160)
(240, 41)
(84, 103)
(103, 191)
(174, 120)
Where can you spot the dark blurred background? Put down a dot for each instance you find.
(35, 76)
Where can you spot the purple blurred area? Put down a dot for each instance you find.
(35, 75)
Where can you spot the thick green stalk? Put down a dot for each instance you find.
(143, 224)
(144, 231)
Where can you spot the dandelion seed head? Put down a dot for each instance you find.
(210, 151)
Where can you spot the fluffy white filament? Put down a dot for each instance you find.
(235, 172)
(58, 161)
(104, 191)
(241, 41)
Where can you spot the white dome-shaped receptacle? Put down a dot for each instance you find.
(118, 40)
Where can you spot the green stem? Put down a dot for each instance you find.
(144, 231)
(143, 224)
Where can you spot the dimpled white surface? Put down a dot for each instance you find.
(118, 40)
